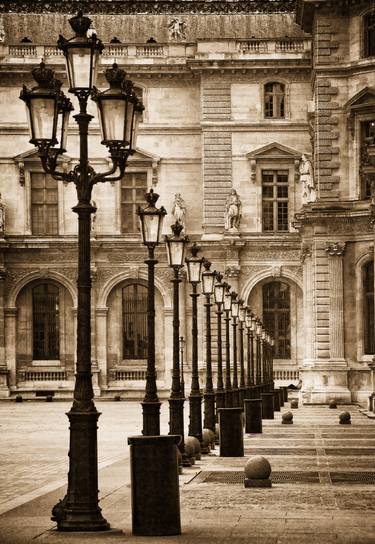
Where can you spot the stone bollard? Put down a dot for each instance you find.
(197, 447)
(210, 436)
(231, 432)
(253, 415)
(254, 393)
(344, 418)
(294, 403)
(190, 448)
(267, 405)
(281, 397)
(18, 398)
(257, 472)
(287, 418)
(205, 443)
(332, 404)
(154, 485)
(276, 400)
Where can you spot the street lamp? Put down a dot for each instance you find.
(227, 310)
(249, 323)
(182, 345)
(235, 313)
(241, 318)
(48, 114)
(194, 268)
(219, 292)
(263, 336)
(208, 281)
(176, 245)
(258, 330)
(151, 221)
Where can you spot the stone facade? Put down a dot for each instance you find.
(204, 132)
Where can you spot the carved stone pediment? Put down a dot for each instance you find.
(143, 159)
(274, 151)
(363, 98)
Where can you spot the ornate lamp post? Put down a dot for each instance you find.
(194, 267)
(235, 313)
(219, 291)
(151, 220)
(208, 280)
(227, 310)
(258, 330)
(263, 350)
(176, 246)
(48, 112)
(241, 319)
(182, 344)
(250, 352)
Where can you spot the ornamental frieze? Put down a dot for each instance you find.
(271, 253)
(149, 7)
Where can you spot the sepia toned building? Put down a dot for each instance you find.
(274, 99)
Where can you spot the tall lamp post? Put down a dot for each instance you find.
(182, 344)
(48, 113)
(151, 221)
(194, 268)
(208, 281)
(250, 352)
(227, 310)
(219, 291)
(241, 319)
(176, 245)
(235, 313)
(258, 331)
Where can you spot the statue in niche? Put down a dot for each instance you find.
(176, 30)
(307, 178)
(233, 212)
(179, 209)
(2, 215)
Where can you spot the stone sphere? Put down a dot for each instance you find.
(196, 445)
(294, 403)
(207, 439)
(344, 417)
(287, 416)
(332, 403)
(19, 398)
(257, 468)
(190, 446)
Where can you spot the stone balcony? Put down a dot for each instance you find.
(169, 53)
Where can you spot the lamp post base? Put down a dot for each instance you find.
(79, 510)
(176, 419)
(209, 410)
(219, 401)
(151, 418)
(236, 397)
(195, 424)
(228, 398)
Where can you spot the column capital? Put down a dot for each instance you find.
(335, 249)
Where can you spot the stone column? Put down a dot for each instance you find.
(308, 304)
(335, 251)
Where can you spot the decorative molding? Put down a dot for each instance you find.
(335, 249)
(276, 271)
(232, 271)
(149, 7)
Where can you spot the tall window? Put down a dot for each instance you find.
(133, 188)
(274, 100)
(44, 208)
(275, 200)
(368, 308)
(134, 321)
(276, 316)
(369, 34)
(45, 321)
(367, 170)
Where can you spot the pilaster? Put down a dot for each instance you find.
(335, 251)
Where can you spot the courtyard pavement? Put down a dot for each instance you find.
(322, 492)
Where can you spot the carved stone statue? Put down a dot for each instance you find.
(233, 212)
(2, 215)
(176, 29)
(307, 178)
(179, 209)
(2, 31)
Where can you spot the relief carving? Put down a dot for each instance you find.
(335, 249)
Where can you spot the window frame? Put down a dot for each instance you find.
(275, 199)
(366, 257)
(286, 100)
(133, 360)
(57, 350)
(366, 311)
(364, 41)
(132, 172)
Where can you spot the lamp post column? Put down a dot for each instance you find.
(209, 394)
(250, 367)
(236, 393)
(195, 397)
(220, 393)
(228, 383)
(242, 366)
(258, 362)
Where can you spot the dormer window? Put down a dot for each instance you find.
(274, 100)
(369, 34)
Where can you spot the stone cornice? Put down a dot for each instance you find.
(150, 7)
(354, 218)
(305, 9)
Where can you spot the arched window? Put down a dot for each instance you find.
(369, 34)
(368, 308)
(274, 100)
(45, 301)
(134, 321)
(276, 316)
